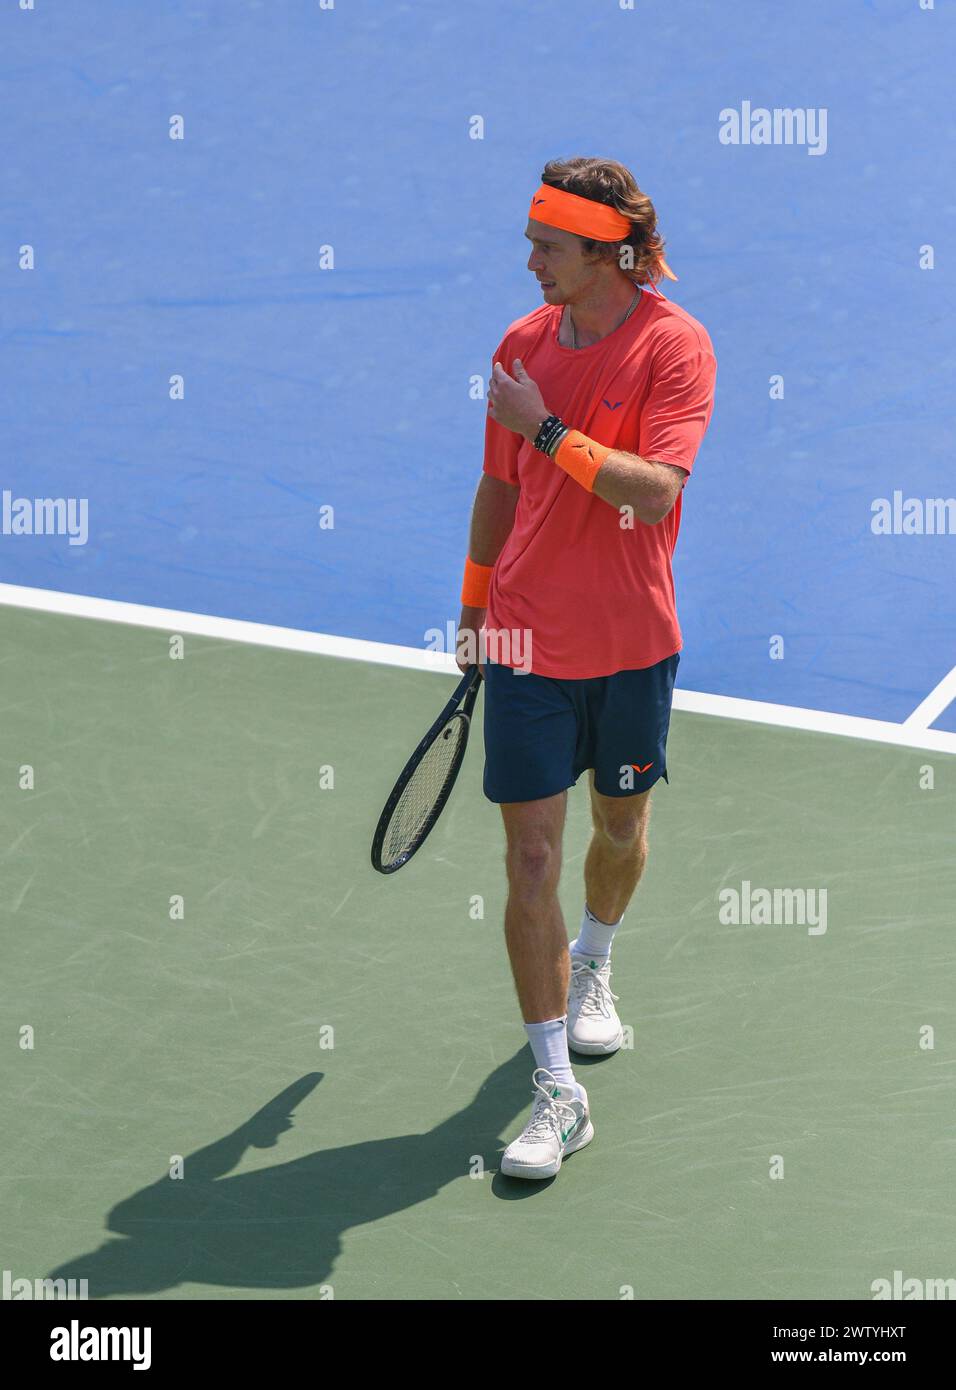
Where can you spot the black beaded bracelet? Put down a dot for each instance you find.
(551, 432)
(546, 433)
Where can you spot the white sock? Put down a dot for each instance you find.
(549, 1043)
(595, 937)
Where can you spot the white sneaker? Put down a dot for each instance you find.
(593, 1024)
(560, 1123)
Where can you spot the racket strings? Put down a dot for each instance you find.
(423, 792)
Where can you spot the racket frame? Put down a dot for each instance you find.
(465, 695)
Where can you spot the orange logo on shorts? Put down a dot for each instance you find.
(641, 769)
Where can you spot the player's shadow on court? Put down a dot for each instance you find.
(281, 1227)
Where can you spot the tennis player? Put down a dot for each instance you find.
(597, 405)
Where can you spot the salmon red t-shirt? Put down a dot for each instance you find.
(596, 596)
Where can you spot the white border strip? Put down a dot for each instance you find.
(815, 720)
(291, 639)
(911, 734)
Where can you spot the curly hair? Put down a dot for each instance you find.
(607, 181)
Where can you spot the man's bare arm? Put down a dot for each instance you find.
(649, 487)
(492, 519)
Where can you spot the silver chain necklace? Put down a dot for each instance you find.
(574, 336)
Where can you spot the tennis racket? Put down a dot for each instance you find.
(418, 797)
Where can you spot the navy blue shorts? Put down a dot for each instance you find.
(541, 733)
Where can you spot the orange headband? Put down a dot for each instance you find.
(584, 217)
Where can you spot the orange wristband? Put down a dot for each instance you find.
(581, 457)
(475, 586)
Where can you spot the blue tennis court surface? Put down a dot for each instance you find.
(348, 386)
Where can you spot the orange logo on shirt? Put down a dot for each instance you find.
(638, 767)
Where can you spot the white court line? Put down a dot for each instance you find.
(938, 699)
(818, 721)
(906, 735)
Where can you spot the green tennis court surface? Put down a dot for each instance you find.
(157, 1036)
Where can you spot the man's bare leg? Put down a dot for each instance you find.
(612, 870)
(534, 926)
(560, 1120)
(617, 853)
